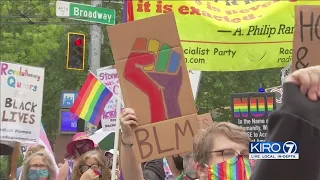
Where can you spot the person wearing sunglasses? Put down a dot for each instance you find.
(92, 166)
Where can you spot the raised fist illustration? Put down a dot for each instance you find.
(157, 72)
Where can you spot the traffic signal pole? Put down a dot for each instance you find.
(95, 42)
(94, 52)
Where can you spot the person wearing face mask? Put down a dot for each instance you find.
(92, 166)
(38, 166)
(221, 152)
(79, 145)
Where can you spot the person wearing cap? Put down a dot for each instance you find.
(109, 159)
(79, 145)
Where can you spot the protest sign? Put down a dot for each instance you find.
(155, 83)
(21, 102)
(109, 77)
(306, 37)
(278, 95)
(229, 35)
(205, 120)
(251, 110)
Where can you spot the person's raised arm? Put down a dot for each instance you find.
(298, 121)
(129, 166)
(63, 171)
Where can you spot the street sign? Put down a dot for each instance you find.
(68, 98)
(83, 12)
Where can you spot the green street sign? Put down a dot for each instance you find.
(84, 12)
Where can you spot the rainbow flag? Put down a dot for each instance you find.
(92, 98)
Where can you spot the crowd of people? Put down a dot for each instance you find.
(220, 152)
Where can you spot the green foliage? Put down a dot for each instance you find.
(32, 35)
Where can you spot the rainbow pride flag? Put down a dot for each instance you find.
(92, 98)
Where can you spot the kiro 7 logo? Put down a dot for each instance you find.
(290, 147)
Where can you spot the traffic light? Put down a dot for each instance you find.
(76, 51)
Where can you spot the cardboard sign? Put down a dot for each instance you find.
(155, 83)
(20, 110)
(306, 40)
(205, 120)
(251, 111)
(278, 93)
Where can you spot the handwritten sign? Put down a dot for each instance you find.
(205, 120)
(21, 102)
(155, 82)
(306, 40)
(251, 110)
(109, 77)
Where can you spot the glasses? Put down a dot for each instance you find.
(38, 166)
(228, 156)
(84, 168)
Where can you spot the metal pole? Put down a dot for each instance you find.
(95, 43)
(94, 53)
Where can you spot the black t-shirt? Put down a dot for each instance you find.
(297, 120)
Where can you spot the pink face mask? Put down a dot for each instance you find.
(236, 168)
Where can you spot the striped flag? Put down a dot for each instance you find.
(91, 100)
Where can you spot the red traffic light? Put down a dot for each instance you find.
(78, 42)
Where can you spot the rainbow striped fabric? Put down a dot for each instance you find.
(239, 170)
(92, 98)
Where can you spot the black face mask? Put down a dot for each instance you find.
(178, 162)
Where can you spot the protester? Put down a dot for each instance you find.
(298, 121)
(38, 166)
(29, 152)
(79, 145)
(219, 147)
(109, 160)
(189, 168)
(92, 166)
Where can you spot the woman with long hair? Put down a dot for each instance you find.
(92, 166)
(38, 166)
(80, 144)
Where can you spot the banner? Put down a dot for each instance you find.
(228, 35)
(251, 111)
(21, 102)
(109, 77)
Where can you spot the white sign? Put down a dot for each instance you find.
(62, 9)
(21, 102)
(109, 77)
(195, 81)
(285, 72)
